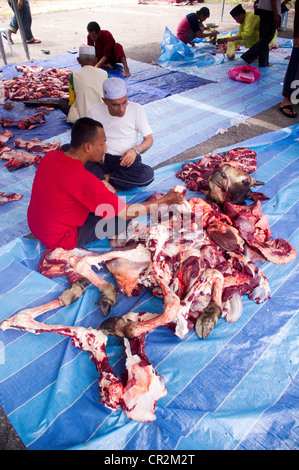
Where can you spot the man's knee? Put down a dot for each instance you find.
(126, 180)
(147, 176)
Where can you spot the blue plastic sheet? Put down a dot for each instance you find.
(202, 60)
(238, 389)
(181, 55)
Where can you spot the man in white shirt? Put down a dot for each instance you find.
(269, 12)
(123, 121)
(86, 84)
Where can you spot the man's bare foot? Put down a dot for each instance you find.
(127, 73)
(109, 186)
(9, 35)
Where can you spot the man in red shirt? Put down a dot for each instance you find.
(108, 52)
(68, 202)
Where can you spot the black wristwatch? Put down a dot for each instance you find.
(137, 150)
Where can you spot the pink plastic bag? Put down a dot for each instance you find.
(244, 73)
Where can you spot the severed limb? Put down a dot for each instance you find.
(77, 264)
(87, 339)
(119, 326)
(208, 319)
(144, 386)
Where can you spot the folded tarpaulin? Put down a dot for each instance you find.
(238, 389)
(174, 52)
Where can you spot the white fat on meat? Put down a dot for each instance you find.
(144, 386)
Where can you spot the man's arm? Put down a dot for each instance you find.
(129, 157)
(103, 62)
(276, 14)
(130, 211)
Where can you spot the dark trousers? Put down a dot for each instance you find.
(96, 228)
(122, 177)
(138, 174)
(260, 49)
(25, 15)
(292, 73)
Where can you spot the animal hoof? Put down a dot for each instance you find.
(118, 327)
(106, 307)
(107, 301)
(113, 326)
(207, 320)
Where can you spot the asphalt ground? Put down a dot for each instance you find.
(61, 26)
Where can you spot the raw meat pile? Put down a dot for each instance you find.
(199, 260)
(19, 159)
(51, 83)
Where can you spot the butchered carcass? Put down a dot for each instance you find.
(143, 387)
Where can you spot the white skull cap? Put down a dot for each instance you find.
(114, 88)
(87, 50)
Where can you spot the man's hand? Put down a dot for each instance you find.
(20, 4)
(173, 197)
(128, 158)
(276, 20)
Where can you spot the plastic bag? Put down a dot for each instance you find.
(174, 50)
(244, 73)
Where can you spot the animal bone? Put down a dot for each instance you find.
(144, 386)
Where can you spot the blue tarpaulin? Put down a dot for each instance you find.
(238, 389)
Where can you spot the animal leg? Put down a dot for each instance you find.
(87, 339)
(207, 320)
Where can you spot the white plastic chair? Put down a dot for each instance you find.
(5, 32)
(284, 20)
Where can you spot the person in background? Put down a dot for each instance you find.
(269, 12)
(292, 73)
(123, 122)
(26, 18)
(248, 33)
(68, 202)
(86, 84)
(192, 26)
(108, 52)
